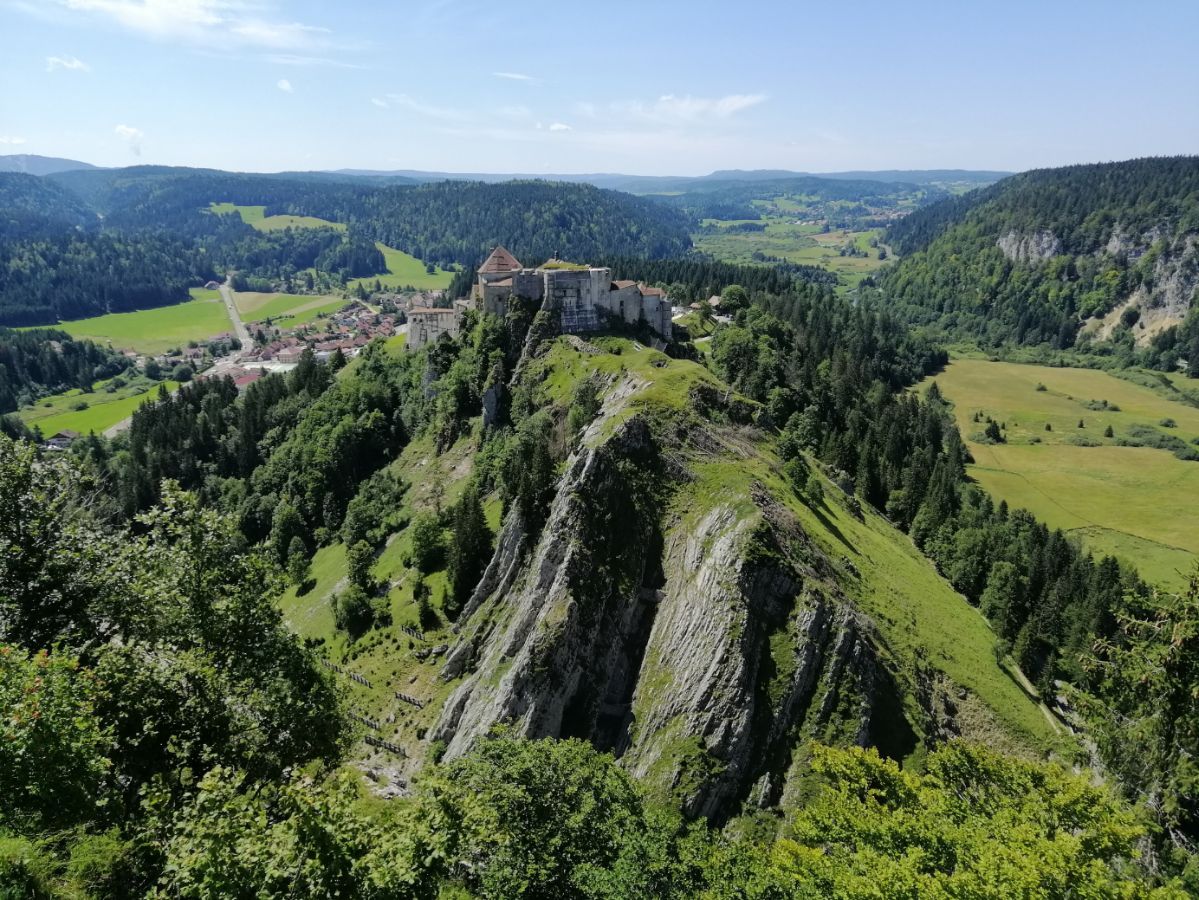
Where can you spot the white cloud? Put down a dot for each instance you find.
(70, 63)
(687, 109)
(284, 85)
(223, 23)
(379, 102)
(131, 136)
(11, 140)
(443, 113)
(514, 76)
(560, 126)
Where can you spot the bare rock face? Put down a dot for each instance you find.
(701, 650)
(1036, 247)
(549, 644)
(1163, 299)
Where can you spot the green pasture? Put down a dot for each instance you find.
(404, 271)
(297, 308)
(256, 217)
(153, 331)
(54, 414)
(1138, 503)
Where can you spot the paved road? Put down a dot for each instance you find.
(239, 329)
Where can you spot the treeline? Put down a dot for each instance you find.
(35, 364)
(33, 207)
(702, 277)
(1180, 342)
(77, 275)
(88, 242)
(1080, 205)
(830, 378)
(1079, 240)
(279, 256)
(846, 200)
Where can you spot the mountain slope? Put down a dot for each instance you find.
(31, 164)
(682, 606)
(1043, 256)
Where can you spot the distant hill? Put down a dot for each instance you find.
(31, 205)
(922, 176)
(656, 184)
(31, 164)
(1055, 256)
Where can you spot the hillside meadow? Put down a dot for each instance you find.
(404, 270)
(795, 242)
(1058, 461)
(256, 217)
(102, 410)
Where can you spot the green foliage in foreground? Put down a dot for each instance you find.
(131, 663)
(546, 819)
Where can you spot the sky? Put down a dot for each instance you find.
(646, 87)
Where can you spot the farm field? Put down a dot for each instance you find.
(405, 271)
(256, 217)
(299, 308)
(153, 331)
(797, 243)
(1134, 502)
(54, 414)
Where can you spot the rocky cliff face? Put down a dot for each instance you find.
(1161, 300)
(1165, 298)
(699, 641)
(1036, 247)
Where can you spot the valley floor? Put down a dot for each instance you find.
(1133, 502)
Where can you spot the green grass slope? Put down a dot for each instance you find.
(103, 409)
(296, 308)
(404, 270)
(256, 217)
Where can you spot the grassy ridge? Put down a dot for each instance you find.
(921, 618)
(1133, 502)
(923, 622)
(153, 331)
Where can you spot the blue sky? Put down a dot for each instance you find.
(653, 87)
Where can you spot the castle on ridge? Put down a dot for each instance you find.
(581, 294)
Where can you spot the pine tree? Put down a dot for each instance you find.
(470, 548)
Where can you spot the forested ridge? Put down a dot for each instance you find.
(1076, 242)
(35, 364)
(236, 788)
(87, 242)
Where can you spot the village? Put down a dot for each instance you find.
(276, 347)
